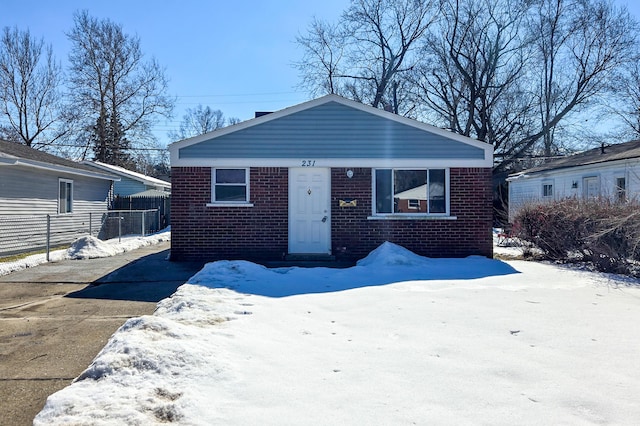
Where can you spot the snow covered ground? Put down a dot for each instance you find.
(398, 339)
(87, 248)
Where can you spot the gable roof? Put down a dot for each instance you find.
(16, 154)
(153, 193)
(121, 171)
(603, 154)
(332, 129)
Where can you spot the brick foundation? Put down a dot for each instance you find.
(261, 232)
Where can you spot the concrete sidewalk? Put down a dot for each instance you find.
(56, 317)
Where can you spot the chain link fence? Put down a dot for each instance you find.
(23, 234)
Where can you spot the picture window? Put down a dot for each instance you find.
(415, 191)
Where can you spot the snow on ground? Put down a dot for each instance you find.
(397, 339)
(87, 248)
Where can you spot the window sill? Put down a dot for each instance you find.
(229, 204)
(411, 217)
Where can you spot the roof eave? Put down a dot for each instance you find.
(534, 173)
(124, 173)
(61, 169)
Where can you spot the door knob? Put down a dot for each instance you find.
(324, 219)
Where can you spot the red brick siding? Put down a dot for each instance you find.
(261, 232)
(201, 232)
(354, 236)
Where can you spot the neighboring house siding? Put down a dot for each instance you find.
(129, 182)
(24, 191)
(127, 186)
(331, 130)
(571, 182)
(261, 231)
(90, 195)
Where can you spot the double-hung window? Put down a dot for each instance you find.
(411, 192)
(230, 186)
(65, 196)
(547, 189)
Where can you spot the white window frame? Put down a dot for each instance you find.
(244, 203)
(420, 215)
(547, 184)
(620, 191)
(68, 198)
(585, 186)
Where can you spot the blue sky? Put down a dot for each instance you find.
(232, 55)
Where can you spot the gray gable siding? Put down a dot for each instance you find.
(332, 130)
(127, 186)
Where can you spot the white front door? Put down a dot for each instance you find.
(309, 210)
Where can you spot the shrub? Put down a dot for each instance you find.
(598, 231)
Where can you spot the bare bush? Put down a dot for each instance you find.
(598, 231)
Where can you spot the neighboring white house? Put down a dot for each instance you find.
(132, 183)
(47, 200)
(611, 171)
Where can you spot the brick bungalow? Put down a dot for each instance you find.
(329, 178)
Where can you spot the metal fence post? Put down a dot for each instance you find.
(48, 235)
(90, 226)
(120, 219)
(144, 214)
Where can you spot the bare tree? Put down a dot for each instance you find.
(512, 74)
(323, 52)
(198, 121)
(626, 86)
(233, 120)
(367, 54)
(471, 78)
(30, 106)
(489, 76)
(117, 93)
(580, 45)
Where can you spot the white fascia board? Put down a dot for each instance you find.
(64, 169)
(147, 180)
(331, 162)
(174, 147)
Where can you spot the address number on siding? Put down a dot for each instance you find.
(308, 163)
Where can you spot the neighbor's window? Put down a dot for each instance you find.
(547, 190)
(230, 185)
(410, 191)
(65, 196)
(621, 189)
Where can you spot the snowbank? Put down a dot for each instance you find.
(86, 248)
(518, 343)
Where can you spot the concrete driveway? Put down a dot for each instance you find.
(55, 318)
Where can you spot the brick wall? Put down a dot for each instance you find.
(354, 236)
(261, 232)
(210, 233)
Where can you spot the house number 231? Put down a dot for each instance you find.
(308, 163)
